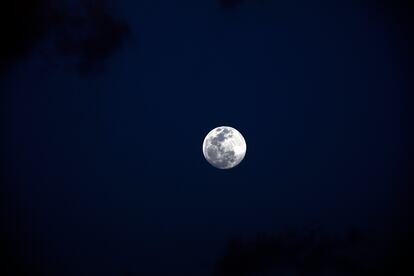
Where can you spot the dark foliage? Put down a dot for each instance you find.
(316, 254)
(85, 33)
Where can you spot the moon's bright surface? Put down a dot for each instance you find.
(224, 147)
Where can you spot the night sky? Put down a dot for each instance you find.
(105, 105)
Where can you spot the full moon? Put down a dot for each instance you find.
(224, 147)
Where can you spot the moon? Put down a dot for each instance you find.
(224, 147)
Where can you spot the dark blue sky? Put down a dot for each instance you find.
(102, 132)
